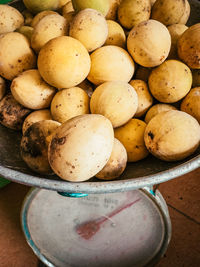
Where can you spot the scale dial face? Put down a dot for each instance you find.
(121, 229)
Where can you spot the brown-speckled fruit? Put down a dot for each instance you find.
(189, 46)
(16, 55)
(10, 19)
(149, 43)
(12, 114)
(90, 28)
(132, 12)
(81, 147)
(191, 103)
(171, 81)
(116, 163)
(171, 12)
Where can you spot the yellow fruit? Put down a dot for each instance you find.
(145, 100)
(175, 30)
(90, 28)
(63, 62)
(116, 35)
(158, 108)
(149, 43)
(171, 12)
(116, 163)
(41, 15)
(131, 135)
(132, 12)
(117, 101)
(171, 81)
(16, 55)
(49, 27)
(10, 19)
(81, 147)
(189, 46)
(191, 103)
(112, 12)
(69, 103)
(172, 135)
(110, 63)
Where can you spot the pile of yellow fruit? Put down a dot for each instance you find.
(95, 84)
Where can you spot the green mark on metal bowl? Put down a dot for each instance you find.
(3, 182)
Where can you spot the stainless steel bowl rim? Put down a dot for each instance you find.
(101, 187)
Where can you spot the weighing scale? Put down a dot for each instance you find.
(124, 222)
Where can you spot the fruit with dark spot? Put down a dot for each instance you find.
(35, 116)
(71, 147)
(172, 135)
(112, 12)
(34, 145)
(12, 114)
(116, 35)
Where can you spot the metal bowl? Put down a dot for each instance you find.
(147, 172)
